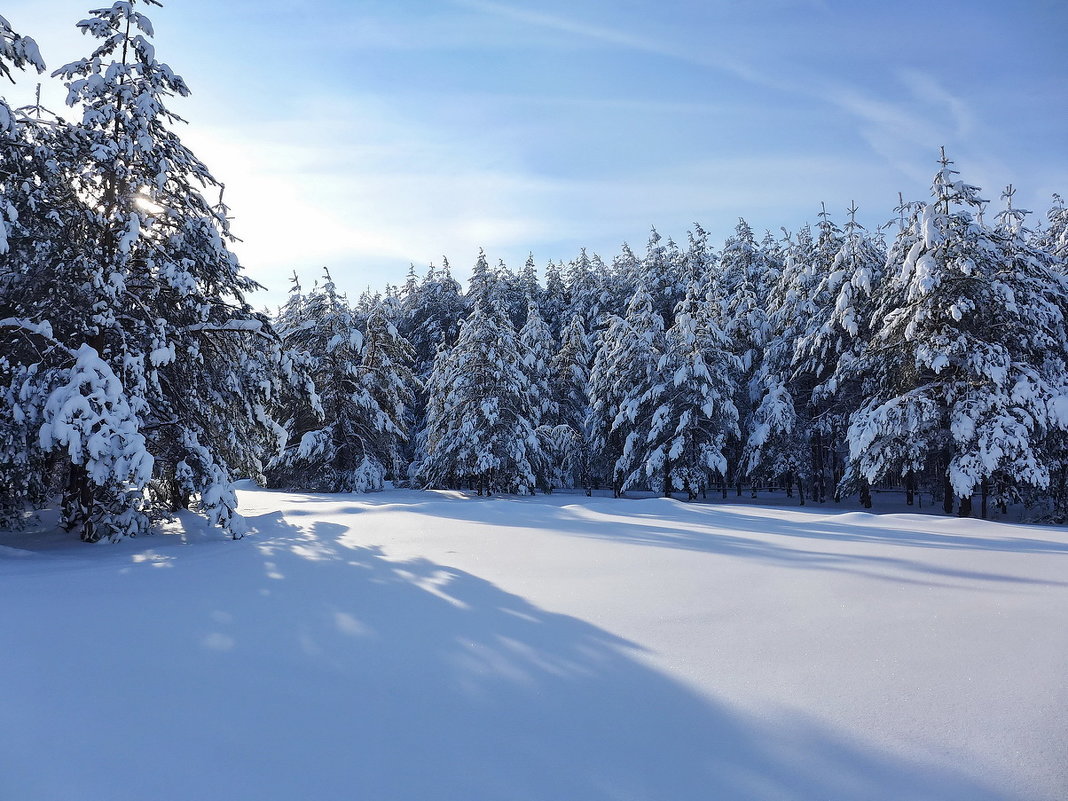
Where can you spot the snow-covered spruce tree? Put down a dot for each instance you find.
(54, 395)
(688, 413)
(22, 337)
(512, 293)
(478, 430)
(1048, 502)
(536, 349)
(569, 376)
(1054, 238)
(389, 386)
(624, 370)
(776, 443)
(347, 435)
(661, 273)
(744, 273)
(433, 311)
(698, 262)
(162, 305)
(554, 300)
(839, 328)
(591, 291)
(965, 377)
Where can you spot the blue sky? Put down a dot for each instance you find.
(364, 136)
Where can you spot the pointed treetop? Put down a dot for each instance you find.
(853, 225)
(1011, 219)
(946, 188)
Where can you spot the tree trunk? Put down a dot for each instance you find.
(865, 493)
(964, 508)
(910, 487)
(947, 494)
(819, 491)
(78, 502)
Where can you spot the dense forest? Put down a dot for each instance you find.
(926, 354)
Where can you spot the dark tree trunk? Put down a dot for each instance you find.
(865, 493)
(819, 490)
(78, 502)
(964, 508)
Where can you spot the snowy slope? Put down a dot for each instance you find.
(420, 646)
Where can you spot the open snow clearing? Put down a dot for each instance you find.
(432, 645)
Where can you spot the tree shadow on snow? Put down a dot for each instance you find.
(723, 530)
(343, 674)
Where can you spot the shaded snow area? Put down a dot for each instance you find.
(419, 646)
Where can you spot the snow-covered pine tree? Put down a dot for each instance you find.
(624, 370)
(346, 436)
(569, 373)
(964, 376)
(689, 410)
(587, 292)
(478, 428)
(528, 282)
(698, 261)
(169, 311)
(387, 387)
(536, 349)
(838, 329)
(1054, 238)
(744, 272)
(433, 310)
(1048, 254)
(22, 337)
(554, 300)
(511, 294)
(776, 444)
(661, 273)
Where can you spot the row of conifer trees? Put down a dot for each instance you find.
(928, 355)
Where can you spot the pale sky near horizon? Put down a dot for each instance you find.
(364, 136)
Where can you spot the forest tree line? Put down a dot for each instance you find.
(927, 354)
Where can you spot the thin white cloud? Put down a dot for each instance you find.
(926, 88)
(896, 131)
(712, 55)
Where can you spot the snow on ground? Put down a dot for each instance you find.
(419, 646)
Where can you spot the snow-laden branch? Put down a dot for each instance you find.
(43, 329)
(251, 326)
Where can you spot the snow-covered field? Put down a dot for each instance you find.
(419, 646)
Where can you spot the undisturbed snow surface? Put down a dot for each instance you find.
(420, 646)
